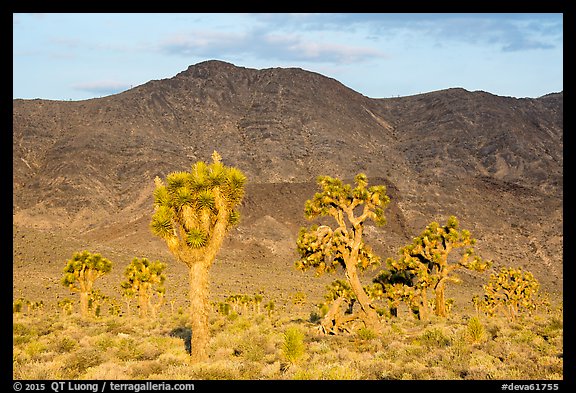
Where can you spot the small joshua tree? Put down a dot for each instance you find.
(407, 279)
(143, 279)
(326, 249)
(193, 213)
(66, 306)
(80, 273)
(432, 250)
(299, 300)
(511, 291)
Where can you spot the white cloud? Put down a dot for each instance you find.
(102, 87)
(264, 45)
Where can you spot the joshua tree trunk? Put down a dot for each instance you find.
(370, 317)
(335, 320)
(424, 311)
(330, 321)
(85, 291)
(143, 302)
(84, 297)
(199, 308)
(440, 303)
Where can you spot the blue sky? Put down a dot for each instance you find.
(80, 56)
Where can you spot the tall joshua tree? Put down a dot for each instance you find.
(325, 248)
(80, 273)
(193, 212)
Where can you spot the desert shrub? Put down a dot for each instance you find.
(104, 341)
(143, 369)
(110, 370)
(552, 328)
(293, 345)
(476, 332)
(524, 336)
(271, 370)
(171, 359)
(239, 323)
(315, 317)
(77, 362)
(434, 337)
(218, 370)
(493, 331)
(366, 334)
(340, 372)
(21, 329)
(251, 348)
(319, 347)
(37, 370)
(416, 369)
(374, 368)
(22, 334)
(35, 348)
(459, 351)
(305, 374)
(483, 366)
(149, 349)
(63, 344)
(551, 367)
(128, 349)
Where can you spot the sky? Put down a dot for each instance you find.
(78, 56)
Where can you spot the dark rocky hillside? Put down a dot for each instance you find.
(83, 171)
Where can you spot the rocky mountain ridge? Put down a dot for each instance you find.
(84, 170)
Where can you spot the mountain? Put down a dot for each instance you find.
(83, 170)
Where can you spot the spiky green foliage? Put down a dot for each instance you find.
(339, 200)
(510, 291)
(338, 288)
(475, 331)
(196, 238)
(145, 278)
(80, 273)
(293, 347)
(189, 205)
(325, 248)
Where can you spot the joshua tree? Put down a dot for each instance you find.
(143, 278)
(193, 212)
(325, 248)
(257, 302)
(511, 290)
(407, 279)
(431, 251)
(80, 273)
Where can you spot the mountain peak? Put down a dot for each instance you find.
(207, 68)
